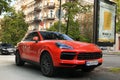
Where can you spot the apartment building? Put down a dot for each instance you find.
(41, 14)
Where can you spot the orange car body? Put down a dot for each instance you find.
(31, 50)
(64, 53)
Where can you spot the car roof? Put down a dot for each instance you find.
(44, 31)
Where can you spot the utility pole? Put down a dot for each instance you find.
(59, 27)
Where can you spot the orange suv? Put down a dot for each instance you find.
(53, 50)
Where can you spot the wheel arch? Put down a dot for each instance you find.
(17, 51)
(46, 52)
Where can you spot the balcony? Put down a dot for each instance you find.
(36, 19)
(50, 5)
(38, 8)
(50, 17)
(30, 12)
(23, 7)
(29, 21)
(70, 0)
(37, 0)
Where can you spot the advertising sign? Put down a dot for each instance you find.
(104, 23)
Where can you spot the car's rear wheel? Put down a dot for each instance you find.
(46, 64)
(18, 60)
(1, 52)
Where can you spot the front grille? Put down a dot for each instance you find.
(88, 56)
(67, 55)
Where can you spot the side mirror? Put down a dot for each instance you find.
(35, 39)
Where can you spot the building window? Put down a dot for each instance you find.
(51, 24)
(51, 14)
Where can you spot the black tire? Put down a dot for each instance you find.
(46, 65)
(1, 52)
(18, 60)
(88, 69)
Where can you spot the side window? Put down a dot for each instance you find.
(30, 36)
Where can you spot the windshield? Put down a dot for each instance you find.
(54, 36)
(6, 45)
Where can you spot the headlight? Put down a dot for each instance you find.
(63, 46)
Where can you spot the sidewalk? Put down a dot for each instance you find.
(111, 52)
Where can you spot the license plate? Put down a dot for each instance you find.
(91, 63)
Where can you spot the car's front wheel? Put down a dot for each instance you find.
(18, 60)
(46, 64)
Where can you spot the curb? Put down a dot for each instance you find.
(111, 53)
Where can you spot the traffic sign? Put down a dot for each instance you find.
(58, 15)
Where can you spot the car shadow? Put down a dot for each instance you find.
(61, 73)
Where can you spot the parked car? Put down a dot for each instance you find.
(6, 48)
(53, 50)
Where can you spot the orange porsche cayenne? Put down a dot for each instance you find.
(53, 50)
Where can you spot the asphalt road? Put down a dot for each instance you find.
(111, 61)
(9, 71)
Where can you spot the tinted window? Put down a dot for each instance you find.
(7, 45)
(54, 36)
(30, 36)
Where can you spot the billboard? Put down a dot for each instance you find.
(104, 22)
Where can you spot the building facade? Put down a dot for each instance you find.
(39, 14)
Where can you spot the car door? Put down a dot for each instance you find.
(31, 46)
(34, 47)
(26, 46)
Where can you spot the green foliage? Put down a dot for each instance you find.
(71, 9)
(13, 27)
(4, 6)
(118, 16)
(55, 27)
(73, 30)
(74, 26)
(75, 8)
(115, 70)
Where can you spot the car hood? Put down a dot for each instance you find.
(82, 46)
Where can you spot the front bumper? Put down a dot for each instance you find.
(75, 63)
(7, 52)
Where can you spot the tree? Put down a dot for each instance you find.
(78, 29)
(86, 22)
(118, 16)
(13, 27)
(4, 6)
(75, 28)
(71, 9)
(55, 27)
(72, 27)
(73, 31)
